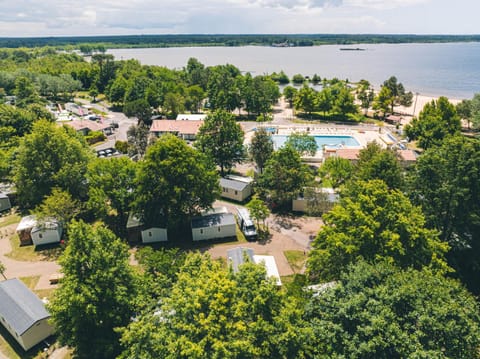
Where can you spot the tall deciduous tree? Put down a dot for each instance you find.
(261, 148)
(96, 293)
(306, 100)
(336, 171)
(173, 181)
(380, 311)
(284, 176)
(50, 156)
(59, 205)
(437, 120)
(399, 96)
(383, 101)
(221, 138)
(303, 143)
(137, 139)
(365, 94)
(258, 210)
(446, 183)
(110, 189)
(213, 313)
(373, 222)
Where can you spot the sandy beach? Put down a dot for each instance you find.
(417, 104)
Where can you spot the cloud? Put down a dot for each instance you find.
(383, 4)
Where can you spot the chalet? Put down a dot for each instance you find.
(23, 314)
(84, 127)
(191, 117)
(4, 202)
(186, 130)
(219, 224)
(325, 197)
(238, 256)
(30, 231)
(236, 187)
(137, 231)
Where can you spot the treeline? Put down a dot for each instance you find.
(139, 41)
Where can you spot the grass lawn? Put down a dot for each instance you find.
(296, 259)
(10, 219)
(30, 282)
(31, 253)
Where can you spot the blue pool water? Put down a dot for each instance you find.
(322, 140)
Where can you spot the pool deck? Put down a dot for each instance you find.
(363, 136)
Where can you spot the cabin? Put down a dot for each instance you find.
(237, 188)
(5, 204)
(191, 117)
(31, 231)
(213, 226)
(325, 199)
(138, 232)
(239, 255)
(84, 127)
(23, 314)
(186, 130)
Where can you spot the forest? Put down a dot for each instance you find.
(392, 273)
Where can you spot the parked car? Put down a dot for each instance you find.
(246, 224)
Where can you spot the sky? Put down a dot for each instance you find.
(26, 18)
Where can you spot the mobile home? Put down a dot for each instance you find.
(137, 231)
(237, 188)
(213, 226)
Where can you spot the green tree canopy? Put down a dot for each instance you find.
(373, 222)
(213, 313)
(437, 120)
(336, 171)
(397, 91)
(173, 181)
(96, 293)
(306, 100)
(261, 148)
(50, 156)
(221, 138)
(446, 184)
(380, 311)
(284, 176)
(303, 143)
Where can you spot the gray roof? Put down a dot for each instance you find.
(213, 220)
(3, 195)
(236, 185)
(236, 257)
(19, 306)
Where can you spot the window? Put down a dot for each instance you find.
(219, 229)
(201, 231)
(236, 192)
(149, 234)
(40, 235)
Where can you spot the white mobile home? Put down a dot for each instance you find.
(23, 314)
(137, 231)
(30, 231)
(236, 187)
(4, 202)
(213, 226)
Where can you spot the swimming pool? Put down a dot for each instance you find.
(322, 140)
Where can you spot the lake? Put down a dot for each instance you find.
(450, 69)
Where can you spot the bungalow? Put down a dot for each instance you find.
(4, 202)
(236, 187)
(23, 314)
(186, 130)
(30, 231)
(325, 199)
(350, 154)
(213, 226)
(407, 157)
(137, 231)
(237, 256)
(84, 127)
(191, 117)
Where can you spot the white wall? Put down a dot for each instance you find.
(46, 236)
(154, 234)
(36, 334)
(205, 233)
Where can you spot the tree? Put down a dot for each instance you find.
(437, 120)
(2, 270)
(475, 111)
(289, 92)
(261, 148)
(380, 311)
(221, 138)
(111, 189)
(212, 313)
(344, 103)
(173, 181)
(140, 109)
(446, 184)
(96, 293)
(59, 205)
(174, 104)
(49, 157)
(306, 100)
(298, 79)
(195, 96)
(325, 100)
(365, 94)
(336, 171)
(137, 139)
(399, 96)
(303, 143)
(25, 92)
(93, 92)
(383, 101)
(284, 176)
(373, 222)
(374, 162)
(258, 210)
(223, 91)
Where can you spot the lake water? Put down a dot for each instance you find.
(451, 69)
(321, 140)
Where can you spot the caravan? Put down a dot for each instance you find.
(246, 224)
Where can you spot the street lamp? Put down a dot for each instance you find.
(415, 104)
